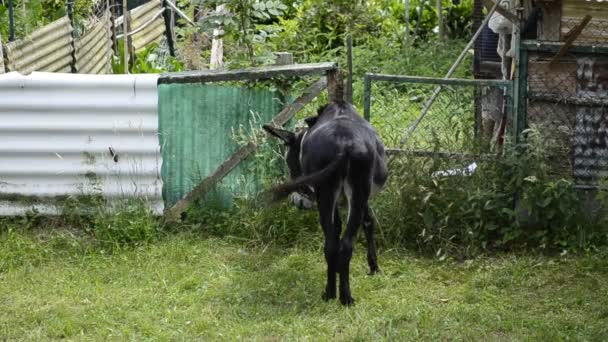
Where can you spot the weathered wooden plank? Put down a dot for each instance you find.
(290, 110)
(572, 36)
(549, 28)
(173, 214)
(580, 8)
(258, 73)
(553, 47)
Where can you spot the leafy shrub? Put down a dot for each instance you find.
(30, 15)
(315, 29)
(148, 60)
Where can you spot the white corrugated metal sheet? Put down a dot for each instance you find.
(71, 134)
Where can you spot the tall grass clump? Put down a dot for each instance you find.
(112, 224)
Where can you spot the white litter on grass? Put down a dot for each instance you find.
(456, 172)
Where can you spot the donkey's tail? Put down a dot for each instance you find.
(282, 191)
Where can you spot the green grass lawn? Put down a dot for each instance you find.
(56, 285)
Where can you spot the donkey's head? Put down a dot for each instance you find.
(303, 198)
(292, 141)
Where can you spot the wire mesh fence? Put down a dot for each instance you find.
(414, 121)
(564, 72)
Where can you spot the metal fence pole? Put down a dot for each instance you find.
(520, 94)
(367, 100)
(167, 16)
(349, 62)
(440, 23)
(70, 10)
(11, 18)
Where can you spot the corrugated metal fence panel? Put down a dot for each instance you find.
(46, 49)
(70, 135)
(94, 49)
(196, 125)
(148, 22)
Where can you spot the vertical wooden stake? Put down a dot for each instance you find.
(125, 37)
(217, 44)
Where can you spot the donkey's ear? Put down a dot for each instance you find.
(311, 121)
(285, 135)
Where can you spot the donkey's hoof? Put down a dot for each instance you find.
(373, 271)
(328, 296)
(347, 300)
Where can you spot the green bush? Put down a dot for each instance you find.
(315, 29)
(30, 15)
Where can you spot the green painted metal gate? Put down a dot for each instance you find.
(196, 133)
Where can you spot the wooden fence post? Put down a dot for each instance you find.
(335, 86)
(283, 58)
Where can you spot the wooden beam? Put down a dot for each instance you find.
(259, 73)
(571, 38)
(554, 47)
(505, 13)
(550, 27)
(174, 213)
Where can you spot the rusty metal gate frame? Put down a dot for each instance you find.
(400, 79)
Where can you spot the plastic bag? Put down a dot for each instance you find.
(499, 24)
